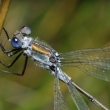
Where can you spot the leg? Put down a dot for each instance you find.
(9, 52)
(22, 73)
(11, 64)
(24, 68)
(6, 34)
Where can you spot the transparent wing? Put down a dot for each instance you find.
(95, 62)
(59, 103)
(81, 105)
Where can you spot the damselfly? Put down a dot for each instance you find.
(95, 62)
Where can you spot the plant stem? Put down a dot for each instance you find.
(3, 12)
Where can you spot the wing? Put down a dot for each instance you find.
(78, 100)
(95, 62)
(59, 103)
(81, 105)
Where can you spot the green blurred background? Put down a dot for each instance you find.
(66, 25)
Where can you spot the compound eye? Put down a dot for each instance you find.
(25, 30)
(15, 42)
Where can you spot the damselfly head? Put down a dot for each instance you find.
(19, 36)
(25, 31)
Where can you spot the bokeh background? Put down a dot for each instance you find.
(66, 25)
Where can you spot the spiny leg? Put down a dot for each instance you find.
(11, 64)
(24, 68)
(15, 73)
(2, 47)
(6, 34)
(10, 52)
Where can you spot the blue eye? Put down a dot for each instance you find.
(15, 42)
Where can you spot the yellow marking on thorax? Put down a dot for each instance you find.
(36, 47)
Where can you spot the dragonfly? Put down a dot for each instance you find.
(94, 62)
